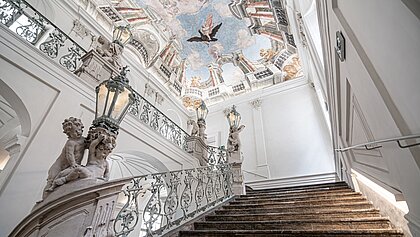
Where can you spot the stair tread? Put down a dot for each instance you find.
(308, 213)
(296, 206)
(316, 210)
(298, 191)
(379, 232)
(335, 184)
(320, 196)
(361, 219)
(279, 201)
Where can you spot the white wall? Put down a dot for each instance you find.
(285, 137)
(43, 94)
(374, 92)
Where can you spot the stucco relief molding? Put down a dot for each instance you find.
(256, 104)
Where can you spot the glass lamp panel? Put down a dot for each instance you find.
(108, 103)
(117, 33)
(120, 103)
(100, 100)
(125, 36)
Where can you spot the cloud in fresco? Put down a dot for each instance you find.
(244, 39)
(195, 60)
(222, 9)
(216, 50)
(169, 9)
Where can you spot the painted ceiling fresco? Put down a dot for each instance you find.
(206, 30)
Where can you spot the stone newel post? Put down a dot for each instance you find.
(234, 153)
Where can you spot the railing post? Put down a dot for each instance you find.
(197, 148)
(95, 68)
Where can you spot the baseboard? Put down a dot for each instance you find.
(292, 181)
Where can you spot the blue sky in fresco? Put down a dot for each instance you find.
(233, 35)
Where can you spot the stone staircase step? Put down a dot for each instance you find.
(299, 197)
(315, 210)
(301, 209)
(293, 215)
(297, 201)
(299, 192)
(304, 187)
(302, 204)
(289, 233)
(313, 224)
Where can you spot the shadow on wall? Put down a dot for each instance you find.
(15, 127)
(134, 163)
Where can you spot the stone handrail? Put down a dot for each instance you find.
(148, 205)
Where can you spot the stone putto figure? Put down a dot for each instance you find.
(194, 130)
(68, 166)
(110, 51)
(234, 143)
(72, 154)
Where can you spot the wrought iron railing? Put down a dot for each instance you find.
(170, 199)
(147, 113)
(217, 155)
(27, 22)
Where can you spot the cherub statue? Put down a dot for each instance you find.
(99, 150)
(97, 167)
(234, 143)
(110, 51)
(72, 154)
(194, 130)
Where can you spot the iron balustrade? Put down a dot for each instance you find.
(27, 22)
(217, 155)
(147, 113)
(171, 199)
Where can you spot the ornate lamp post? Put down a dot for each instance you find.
(122, 35)
(234, 150)
(113, 98)
(233, 117)
(202, 112)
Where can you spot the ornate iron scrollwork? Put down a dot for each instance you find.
(53, 44)
(9, 12)
(154, 123)
(72, 59)
(144, 116)
(172, 198)
(128, 217)
(153, 210)
(32, 30)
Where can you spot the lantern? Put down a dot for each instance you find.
(113, 98)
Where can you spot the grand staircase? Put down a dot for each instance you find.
(317, 210)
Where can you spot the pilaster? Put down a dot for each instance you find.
(261, 155)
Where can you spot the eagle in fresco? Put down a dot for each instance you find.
(207, 32)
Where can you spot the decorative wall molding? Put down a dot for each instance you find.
(81, 29)
(256, 104)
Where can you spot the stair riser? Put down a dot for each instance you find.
(300, 202)
(254, 234)
(321, 186)
(289, 194)
(294, 226)
(298, 205)
(301, 210)
(325, 197)
(291, 216)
